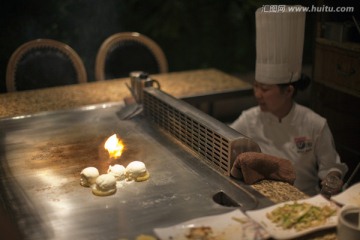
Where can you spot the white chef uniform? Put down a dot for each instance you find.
(303, 137)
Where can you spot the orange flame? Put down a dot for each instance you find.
(114, 146)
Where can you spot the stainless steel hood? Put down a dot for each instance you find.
(42, 156)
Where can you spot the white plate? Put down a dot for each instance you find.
(350, 196)
(278, 232)
(234, 225)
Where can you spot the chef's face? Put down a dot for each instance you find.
(271, 98)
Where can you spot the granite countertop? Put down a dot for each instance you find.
(178, 84)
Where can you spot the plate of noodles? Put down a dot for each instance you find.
(296, 218)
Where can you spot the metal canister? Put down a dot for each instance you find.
(331, 186)
(139, 81)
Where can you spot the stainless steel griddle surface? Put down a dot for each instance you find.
(42, 157)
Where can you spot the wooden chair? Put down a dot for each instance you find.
(43, 63)
(125, 52)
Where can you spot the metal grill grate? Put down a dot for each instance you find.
(211, 139)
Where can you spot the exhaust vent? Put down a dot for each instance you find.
(211, 139)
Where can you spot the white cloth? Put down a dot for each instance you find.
(303, 137)
(279, 45)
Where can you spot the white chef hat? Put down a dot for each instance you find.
(279, 44)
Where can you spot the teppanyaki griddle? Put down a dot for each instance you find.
(42, 156)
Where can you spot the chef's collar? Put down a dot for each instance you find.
(288, 119)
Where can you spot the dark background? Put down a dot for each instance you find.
(193, 34)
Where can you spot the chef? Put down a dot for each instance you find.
(280, 126)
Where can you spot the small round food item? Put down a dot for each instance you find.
(105, 185)
(88, 176)
(118, 171)
(137, 171)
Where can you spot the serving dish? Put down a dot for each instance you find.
(350, 196)
(277, 232)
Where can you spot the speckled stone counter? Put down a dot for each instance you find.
(178, 84)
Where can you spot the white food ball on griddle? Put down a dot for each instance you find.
(105, 185)
(118, 171)
(88, 176)
(137, 171)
